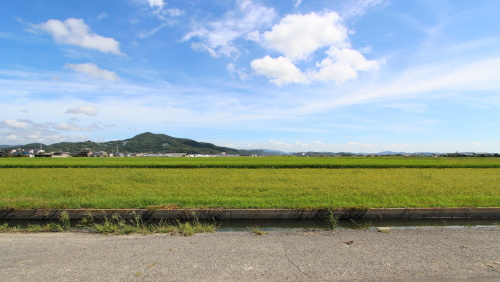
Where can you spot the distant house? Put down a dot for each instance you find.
(175, 154)
(61, 155)
(100, 154)
(84, 153)
(43, 155)
(6, 152)
(27, 154)
(35, 151)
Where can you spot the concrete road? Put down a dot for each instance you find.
(410, 255)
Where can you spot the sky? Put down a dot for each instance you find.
(290, 75)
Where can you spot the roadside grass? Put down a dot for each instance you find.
(113, 188)
(116, 225)
(119, 226)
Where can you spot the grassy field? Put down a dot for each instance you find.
(252, 162)
(118, 187)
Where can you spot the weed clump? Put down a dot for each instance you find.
(332, 220)
(119, 226)
(257, 231)
(65, 221)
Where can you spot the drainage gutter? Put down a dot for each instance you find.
(348, 213)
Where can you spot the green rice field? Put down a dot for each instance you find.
(274, 182)
(252, 162)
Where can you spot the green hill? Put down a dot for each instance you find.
(143, 143)
(160, 143)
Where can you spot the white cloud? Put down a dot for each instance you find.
(358, 147)
(240, 72)
(38, 136)
(341, 65)
(26, 131)
(217, 37)
(359, 7)
(297, 3)
(437, 79)
(298, 36)
(174, 12)
(280, 70)
(66, 126)
(92, 70)
(155, 3)
(15, 123)
(102, 16)
(69, 126)
(76, 32)
(85, 110)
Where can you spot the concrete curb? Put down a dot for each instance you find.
(227, 214)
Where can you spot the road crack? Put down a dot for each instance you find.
(296, 266)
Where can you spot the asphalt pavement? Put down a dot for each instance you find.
(401, 254)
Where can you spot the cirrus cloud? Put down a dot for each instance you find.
(69, 126)
(92, 70)
(84, 110)
(217, 37)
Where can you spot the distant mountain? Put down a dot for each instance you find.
(263, 152)
(8, 146)
(390, 153)
(322, 154)
(143, 143)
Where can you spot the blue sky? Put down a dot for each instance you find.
(354, 76)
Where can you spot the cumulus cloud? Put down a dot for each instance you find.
(15, 123)
(25, 131)
(84, 110)
(92, 70)
(298, 36)
(76, 32)
(155, 3)
(25, 136)
(217, 37)
(341, 65)
(280, 70)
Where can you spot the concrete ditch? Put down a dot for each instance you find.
(241, 214)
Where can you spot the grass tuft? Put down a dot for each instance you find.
(257, 231)
(332, 220)
(119, 226)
